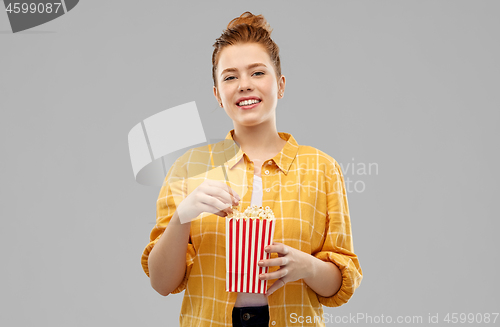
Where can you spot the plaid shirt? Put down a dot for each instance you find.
(305, 189)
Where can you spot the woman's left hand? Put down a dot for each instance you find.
(294, 265)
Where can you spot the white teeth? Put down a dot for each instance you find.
(248, 102)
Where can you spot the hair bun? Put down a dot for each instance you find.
(252, 20)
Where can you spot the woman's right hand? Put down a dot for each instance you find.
(210, 196)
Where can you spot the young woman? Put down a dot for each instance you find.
(312, 260)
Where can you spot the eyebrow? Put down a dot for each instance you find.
(248, 67)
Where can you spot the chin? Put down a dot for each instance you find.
(250, 123)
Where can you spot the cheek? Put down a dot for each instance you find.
(271, 87)
(227, 94)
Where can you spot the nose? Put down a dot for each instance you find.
(245, 83)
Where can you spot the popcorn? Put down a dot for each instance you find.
(247, 234)
(252, 212)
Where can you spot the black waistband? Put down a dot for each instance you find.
(264, 307)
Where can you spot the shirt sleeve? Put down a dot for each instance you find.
(172, 193)
(338, 245)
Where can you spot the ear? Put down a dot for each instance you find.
(216, 95)
(281, 86)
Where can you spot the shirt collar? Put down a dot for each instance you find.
(283, 159)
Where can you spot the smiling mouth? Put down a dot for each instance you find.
(249, 107)
(247, 103)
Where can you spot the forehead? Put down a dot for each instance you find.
(240, 56)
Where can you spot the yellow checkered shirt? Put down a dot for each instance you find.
(305, 189)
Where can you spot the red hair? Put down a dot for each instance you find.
(247, 28)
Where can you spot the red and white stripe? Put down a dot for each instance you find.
(245, 243)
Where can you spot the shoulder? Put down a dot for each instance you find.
(319, 156)
(201, 154)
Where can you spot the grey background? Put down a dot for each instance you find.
(411, 86)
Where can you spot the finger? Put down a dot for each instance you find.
(277, 248)
(214, 205)
(281, 261)
(280, 273)
(221, 194)
(219, 207)
(232, 192)
(215, 202)
(220, 213)
(276, 285)
(226, 188)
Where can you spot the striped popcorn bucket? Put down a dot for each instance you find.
(245, 242)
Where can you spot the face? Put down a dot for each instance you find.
(245, 71)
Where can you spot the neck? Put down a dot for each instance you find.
(258, 139)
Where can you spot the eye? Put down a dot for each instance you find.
(259, 73)
(228, 78)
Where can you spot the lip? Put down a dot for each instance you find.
(250, 107)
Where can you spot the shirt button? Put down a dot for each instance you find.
(267, 172)
(270, 162)
(273, 323)
(268, 190)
